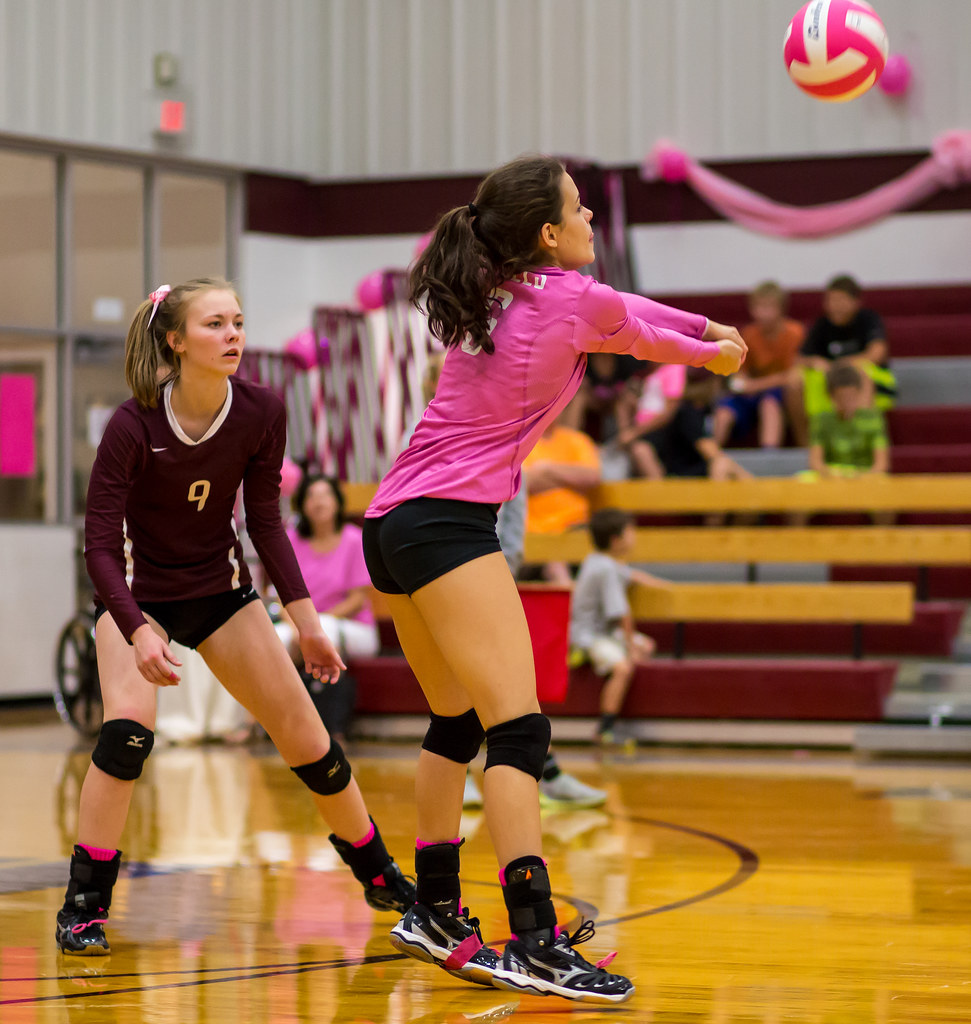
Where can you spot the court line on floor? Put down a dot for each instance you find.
(747, 866)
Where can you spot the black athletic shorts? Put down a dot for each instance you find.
(425, 538)
(190, 622)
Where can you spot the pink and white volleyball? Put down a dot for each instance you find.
(836, 49)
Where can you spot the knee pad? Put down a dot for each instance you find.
(457, 737)
(330, 775)
(521, 743)
(123, 746)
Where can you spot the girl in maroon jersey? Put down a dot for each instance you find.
(162, 550)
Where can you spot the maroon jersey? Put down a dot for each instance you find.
(159, 523)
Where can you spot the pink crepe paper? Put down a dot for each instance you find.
(948, 166)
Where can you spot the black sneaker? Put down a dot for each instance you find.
(396, 893)
(81, 932)
(559, 970)
(453, 943)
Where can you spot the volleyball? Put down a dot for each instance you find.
(835, 49)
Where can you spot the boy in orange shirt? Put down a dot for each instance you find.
(757, 393)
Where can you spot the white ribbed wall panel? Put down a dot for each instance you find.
(359, 88)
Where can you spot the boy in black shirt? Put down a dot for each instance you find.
(847, 331)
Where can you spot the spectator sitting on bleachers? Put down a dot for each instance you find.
(758, 390)
(847, 330)
(558, 475)
(601, 623)
(850, 439)
(684, 446)
(657, 397)
(330, 554)
(605, 399)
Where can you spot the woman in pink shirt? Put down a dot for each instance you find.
(501, 287)
(330, 554)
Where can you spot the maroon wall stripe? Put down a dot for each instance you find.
(293, 206)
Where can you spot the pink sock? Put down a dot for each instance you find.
(367, 838)
(96, 853)
(420, 844)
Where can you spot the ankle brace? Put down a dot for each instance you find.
(367, 862)
(526, 891)
(92, 881)
(437, 876)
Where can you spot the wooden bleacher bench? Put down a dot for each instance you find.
(775, 602)
(848, 545)
(886, 603)
(918, 492)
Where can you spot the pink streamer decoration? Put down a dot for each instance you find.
(18, 455)
(948, 166)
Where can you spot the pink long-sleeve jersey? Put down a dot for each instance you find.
(489, 410)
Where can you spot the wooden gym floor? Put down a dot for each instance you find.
(739, 887)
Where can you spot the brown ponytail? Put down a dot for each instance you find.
(476, 247)
(150, 362)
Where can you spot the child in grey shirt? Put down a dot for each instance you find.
(601, 624)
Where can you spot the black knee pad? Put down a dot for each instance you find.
(123, 746)
(521, 743)
(457, 737)
(330, 775)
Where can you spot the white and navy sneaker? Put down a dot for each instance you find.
(453, 943)
(559, 970)
(568, 791)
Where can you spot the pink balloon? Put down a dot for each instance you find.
(672, 164)
(303, 348)
(370, 291)
(897, 73)
(290, 474)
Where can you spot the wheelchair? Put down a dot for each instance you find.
(77, 687)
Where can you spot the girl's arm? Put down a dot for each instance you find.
(120, 457)
(608, 325)
(261, 501)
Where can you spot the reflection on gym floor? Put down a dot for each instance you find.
(746, 886)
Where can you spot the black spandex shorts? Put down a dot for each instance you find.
(425, 538)
(190, 622)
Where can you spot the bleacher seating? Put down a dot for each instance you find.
(781, 665)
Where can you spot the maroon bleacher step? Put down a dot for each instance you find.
(742, 688)
(930, 425)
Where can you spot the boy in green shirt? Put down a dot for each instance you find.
(850, 439)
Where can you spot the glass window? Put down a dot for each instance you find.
(107, 245)
(28, 428)
(192, 227)
(27, 241)
(99, 388)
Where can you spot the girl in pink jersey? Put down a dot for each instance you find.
(162, 550)
(500, 284)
